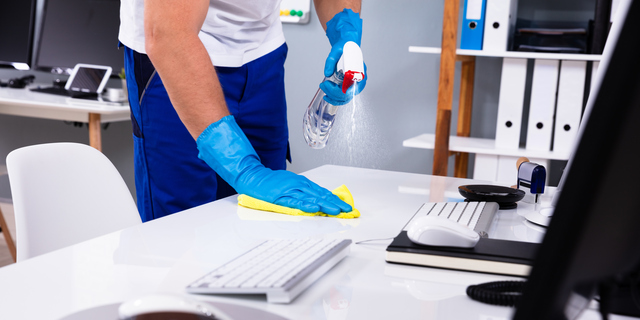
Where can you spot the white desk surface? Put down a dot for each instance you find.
(167, 254)
(26, 103)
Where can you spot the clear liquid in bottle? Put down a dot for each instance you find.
(320, 115)
(318, 121)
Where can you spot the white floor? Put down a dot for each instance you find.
(5, 256)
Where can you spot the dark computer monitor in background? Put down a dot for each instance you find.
(592, 245)
(17, 20)
(79, 31)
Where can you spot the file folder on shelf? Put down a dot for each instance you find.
(496, 168)
(500, 24)
(594, 72)
(569, 106)
(485, 167)
(543, 100)
(472, 25)
(510, 103)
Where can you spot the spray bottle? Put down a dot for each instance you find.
(320, 115)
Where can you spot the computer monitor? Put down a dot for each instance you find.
(17, 19)
(79, 31)
(593, 240)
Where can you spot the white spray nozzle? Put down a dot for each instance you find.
(351, 64)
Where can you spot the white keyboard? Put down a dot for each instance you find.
(281, 269)
(476, 215)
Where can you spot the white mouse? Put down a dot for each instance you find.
(163, 304)
(440, 231)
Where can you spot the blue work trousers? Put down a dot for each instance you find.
(169, 176)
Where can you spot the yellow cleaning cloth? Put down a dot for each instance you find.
(342, 192)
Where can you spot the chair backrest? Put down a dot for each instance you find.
(63, 194)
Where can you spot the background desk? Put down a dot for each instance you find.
(26, 103)
(165, 255)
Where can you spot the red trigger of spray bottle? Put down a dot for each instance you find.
(351, 77)
(351, 64)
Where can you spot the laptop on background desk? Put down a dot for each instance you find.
(86, 81)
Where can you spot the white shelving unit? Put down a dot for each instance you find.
(491, 162)
(482, 146)
(511, 54)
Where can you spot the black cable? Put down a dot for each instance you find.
(502, 293)
(363, 241)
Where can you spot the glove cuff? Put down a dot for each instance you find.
(345, 25)
(227, 150)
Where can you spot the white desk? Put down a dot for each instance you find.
(166, 254)
(26, 103)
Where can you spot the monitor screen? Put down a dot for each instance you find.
(591, 247)
(16, 32)
(79, 31)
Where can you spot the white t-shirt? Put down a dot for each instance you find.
(234, 32)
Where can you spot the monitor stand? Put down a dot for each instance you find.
(542, 217)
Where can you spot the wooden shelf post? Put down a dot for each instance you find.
(445, 87)
(448, 60)
(464, 112)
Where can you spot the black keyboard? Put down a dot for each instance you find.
(68, 93)
(53, 90)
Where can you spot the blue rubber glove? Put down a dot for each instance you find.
(343, 27)
(226, 149)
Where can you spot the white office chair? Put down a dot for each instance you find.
(63, 194)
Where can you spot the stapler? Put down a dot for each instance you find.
(531, 179)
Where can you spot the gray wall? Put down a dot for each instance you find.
(399, 101)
